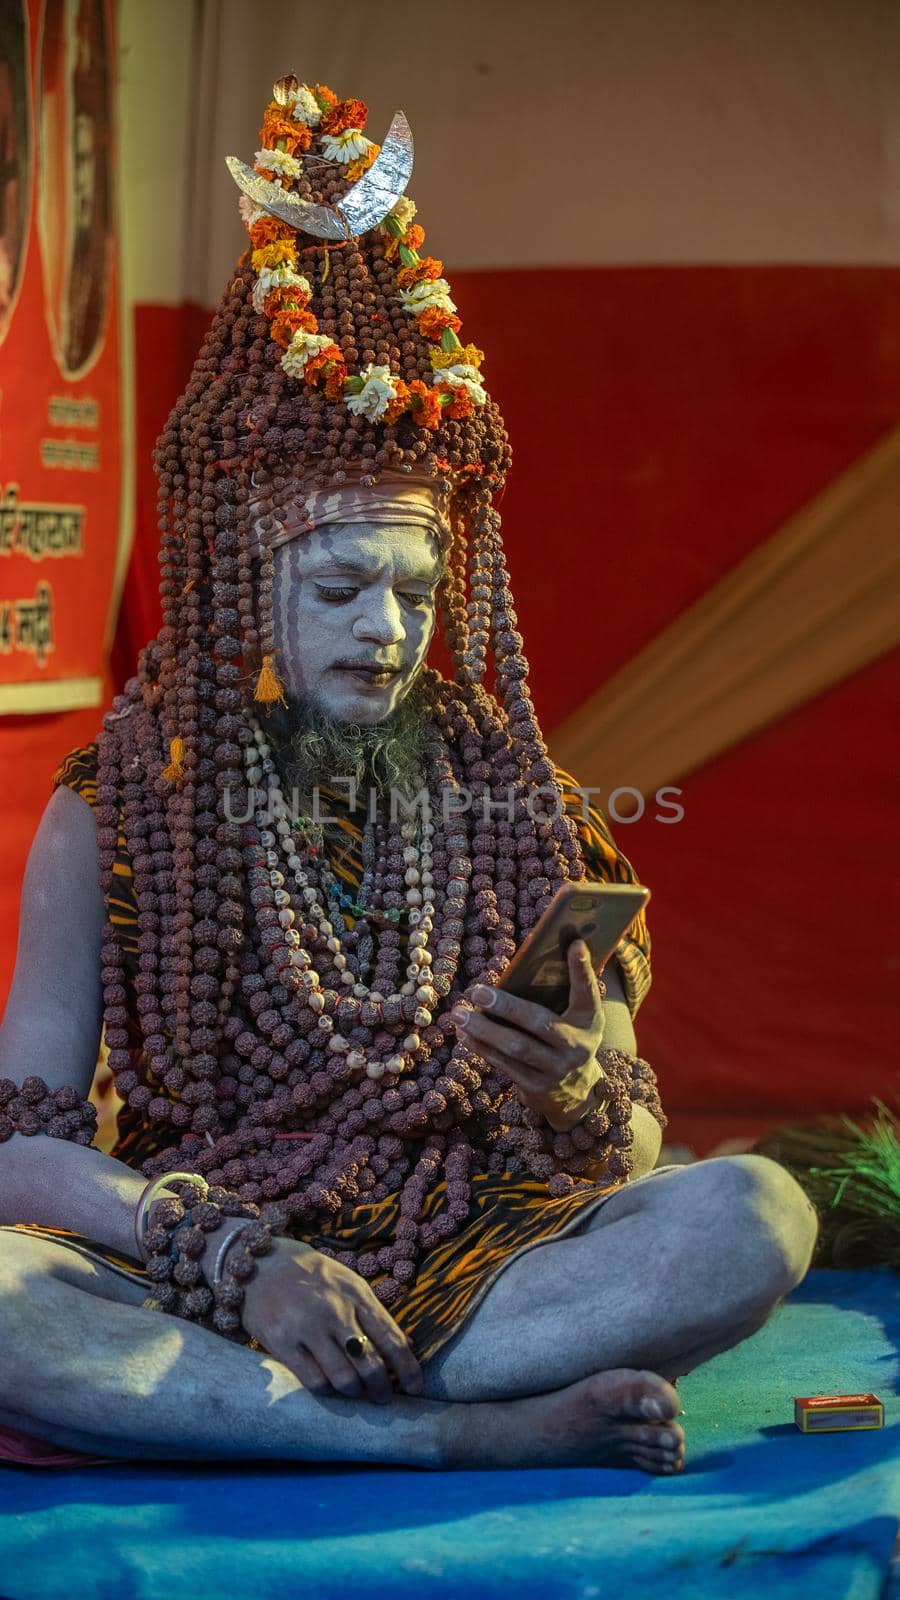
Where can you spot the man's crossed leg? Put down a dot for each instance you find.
(559, 1362)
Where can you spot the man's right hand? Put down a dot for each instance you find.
(301, 1306)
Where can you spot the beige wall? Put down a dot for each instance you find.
(576, 131)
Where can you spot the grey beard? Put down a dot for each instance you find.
(313, 749)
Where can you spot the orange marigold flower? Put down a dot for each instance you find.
(285, 298)
(355, 169)
(277, 127)
(346, 114)
(427, 413)
(275, 254)
(267, 230)
(335, 380)
(433, 321)
(313, 369)
(428, 268)
(461, 403)
(285, 324)
(324, 95)
(413, 238)
(400, 403)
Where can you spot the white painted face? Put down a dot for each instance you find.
(355, 595)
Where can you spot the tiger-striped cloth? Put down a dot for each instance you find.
(509, 1214)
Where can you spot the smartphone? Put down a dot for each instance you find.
(599, 913)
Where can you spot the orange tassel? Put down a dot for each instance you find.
(269, 687)
(174, 772)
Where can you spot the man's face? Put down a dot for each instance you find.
(351, 598)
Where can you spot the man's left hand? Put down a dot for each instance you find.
(551, 1057)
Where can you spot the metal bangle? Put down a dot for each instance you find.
(214, 1276)
(150, 1192)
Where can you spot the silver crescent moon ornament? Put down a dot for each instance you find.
(379, 189)
(364, 205)
(320, 221)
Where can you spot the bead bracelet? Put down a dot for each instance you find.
(604, 1132)
(174, 1243)
(32, 1107)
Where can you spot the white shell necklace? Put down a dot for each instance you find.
(295, 967)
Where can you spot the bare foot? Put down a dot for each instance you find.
(599, 1422)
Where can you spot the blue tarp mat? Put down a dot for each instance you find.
(760, 1506)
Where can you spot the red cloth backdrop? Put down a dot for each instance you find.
(692, 411)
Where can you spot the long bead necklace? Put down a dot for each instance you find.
(365, 948)
(282, 863)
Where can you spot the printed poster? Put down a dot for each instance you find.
(65, 481)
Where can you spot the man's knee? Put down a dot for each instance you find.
(31, 1265)
(767, 1205)
(20, 1257)
(23, 1267)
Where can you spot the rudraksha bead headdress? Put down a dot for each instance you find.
(372, 380)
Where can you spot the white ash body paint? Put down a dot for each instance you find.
(383, 614)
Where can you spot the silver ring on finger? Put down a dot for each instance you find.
(356, 1345)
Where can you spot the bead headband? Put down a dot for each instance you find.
(413, 498)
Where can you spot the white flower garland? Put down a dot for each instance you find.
(463, 376)
(402, 213)
(345, 147)
(302, 346)
(283, 277)
(305, 107)
(430, 292)
(376, 394)
(250, 211)
(278, 161)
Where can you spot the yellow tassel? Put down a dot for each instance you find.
(269, 687)
(174, 772)
(326, 265)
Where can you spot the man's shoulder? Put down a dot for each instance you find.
(572, 791)
(78, 771)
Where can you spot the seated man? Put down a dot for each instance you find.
(316, 1237)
